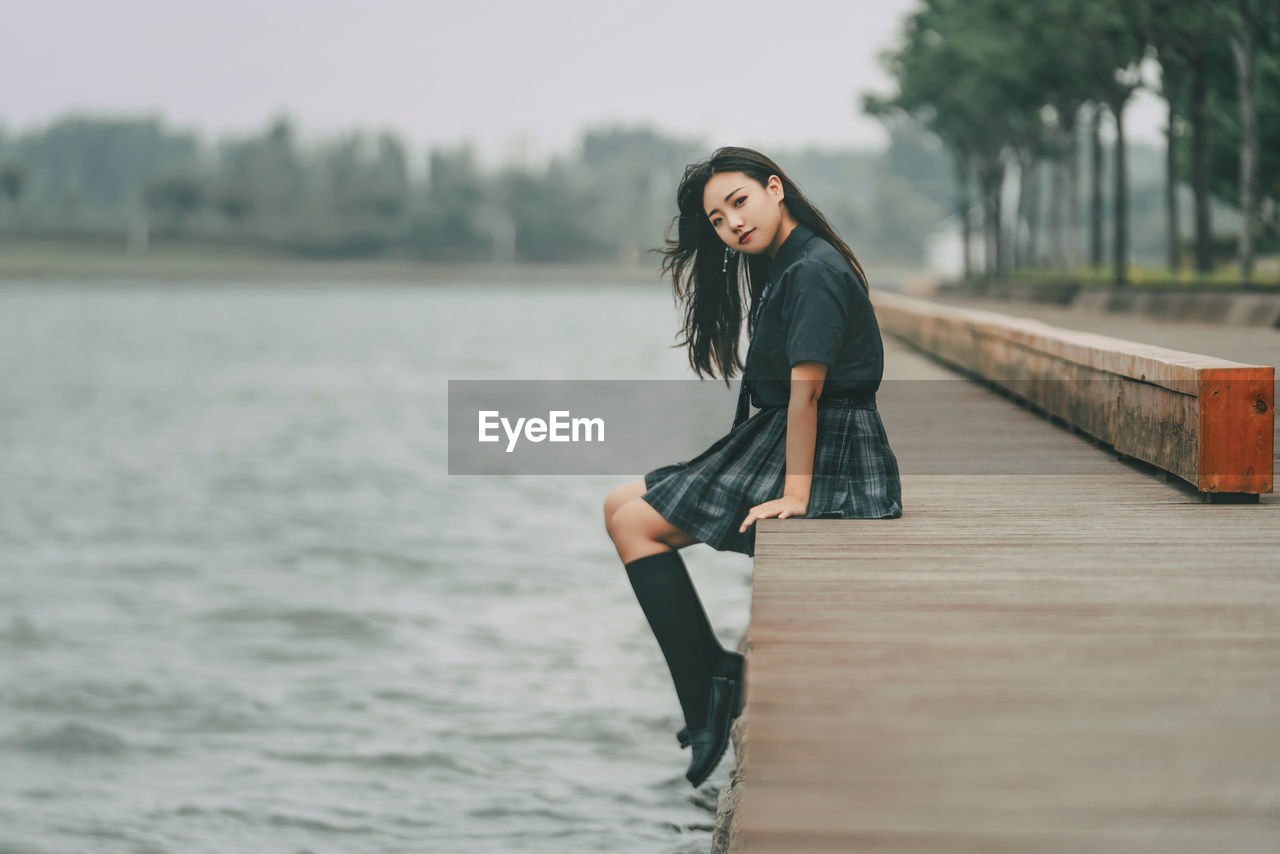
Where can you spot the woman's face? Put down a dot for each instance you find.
(746, 215)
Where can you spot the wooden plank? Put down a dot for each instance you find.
(1062, 663)
(1048, 662)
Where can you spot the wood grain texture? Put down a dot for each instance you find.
(1237, 414)
(1046, 662)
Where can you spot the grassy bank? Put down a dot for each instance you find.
(102, 261)
(1224, 277)
(43, 259)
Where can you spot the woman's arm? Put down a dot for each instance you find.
(802, 433)
(802, 429)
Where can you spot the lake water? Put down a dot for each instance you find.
(244, 606)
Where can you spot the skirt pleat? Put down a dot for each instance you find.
(855, 475)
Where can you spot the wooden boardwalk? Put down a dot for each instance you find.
(1053, 650)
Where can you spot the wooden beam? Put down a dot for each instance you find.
(1207, 420)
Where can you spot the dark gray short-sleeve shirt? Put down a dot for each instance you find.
(816, 311)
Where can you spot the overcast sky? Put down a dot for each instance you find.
(515, 78)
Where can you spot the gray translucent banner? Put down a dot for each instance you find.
(583, 426)
(951, 426)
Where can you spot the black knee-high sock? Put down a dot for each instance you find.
(680, 624)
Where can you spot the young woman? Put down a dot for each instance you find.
(816, 446)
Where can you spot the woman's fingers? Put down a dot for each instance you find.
(760, 511)
(764, 511)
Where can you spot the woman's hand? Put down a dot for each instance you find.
(787, 505)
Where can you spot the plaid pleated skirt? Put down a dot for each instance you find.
(855, 475)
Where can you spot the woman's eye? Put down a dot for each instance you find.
(738, 201)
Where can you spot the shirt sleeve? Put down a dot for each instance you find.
(815, 311)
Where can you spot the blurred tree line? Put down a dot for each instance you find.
(1020, 94)
(356, 195)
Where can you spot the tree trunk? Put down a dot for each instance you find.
(1171, 175)
(961, 164)
(1073, 195)
(989, 184)
(1120, 241)
(1242, 50)
(1095, 189)
(997, 212)
(1199, 172)
(1033, 211)
(1057, 257)
(1026, 164)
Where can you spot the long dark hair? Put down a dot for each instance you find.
(695, 259)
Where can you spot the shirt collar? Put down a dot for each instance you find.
(790, 249)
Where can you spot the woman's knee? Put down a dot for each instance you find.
(619, 496)
(636, 522)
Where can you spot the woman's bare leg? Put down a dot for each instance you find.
(619, 496)
(637, 530)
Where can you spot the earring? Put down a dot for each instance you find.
(727, 253)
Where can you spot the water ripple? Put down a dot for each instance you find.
(432, 759)
(68, 739)
(307, 622)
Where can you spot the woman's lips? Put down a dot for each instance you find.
(744, 238)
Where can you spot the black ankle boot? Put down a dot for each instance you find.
(675, 614)
(683, 735)
(710, 741)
